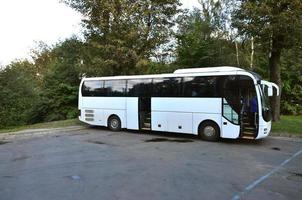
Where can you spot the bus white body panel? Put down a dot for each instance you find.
(264, 129)
(103, 108)
(159, 121)
(132, 113)
(180, 122)
(229, 130)
(181, 115)
(184, 115)
(196, 105)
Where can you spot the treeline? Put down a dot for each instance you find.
(141, 37)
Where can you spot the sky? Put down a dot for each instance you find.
(23, 23)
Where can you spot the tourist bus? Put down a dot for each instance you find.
(213, 103)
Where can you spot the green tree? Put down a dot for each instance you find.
(291, 73)
(19, 92)
(123, 34)
(203, 40)
(59, 87)
(277, 25)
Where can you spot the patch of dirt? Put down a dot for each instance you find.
(75, 134)
(4, 142)
(21, 158)
(169, 140)
(295, 177)
(7, 176)
(276, 148)
(95, 142)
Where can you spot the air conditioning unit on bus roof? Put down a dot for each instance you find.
(207, 69)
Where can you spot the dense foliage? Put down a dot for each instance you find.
(123, 37)
(59, 87)
(123, 34)
(202, 44)
(18, 93)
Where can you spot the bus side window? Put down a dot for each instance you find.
(115, 88)
(166, 87)
(200, 87)
(139, 88)
(93, 88)
(231, 92)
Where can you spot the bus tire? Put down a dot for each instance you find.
(209, 131)
(114, 123)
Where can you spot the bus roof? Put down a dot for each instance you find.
(207, 71)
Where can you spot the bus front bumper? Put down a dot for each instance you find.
(264, 130)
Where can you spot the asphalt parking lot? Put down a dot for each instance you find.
(94, 163)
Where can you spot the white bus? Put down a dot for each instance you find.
(216, 102)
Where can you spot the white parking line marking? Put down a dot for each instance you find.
(262, 178)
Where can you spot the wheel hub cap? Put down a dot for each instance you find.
(209, 131)
(114, 123)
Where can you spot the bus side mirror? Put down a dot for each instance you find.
(270, 87)
(277, 88)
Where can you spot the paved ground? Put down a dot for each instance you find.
(94, 163)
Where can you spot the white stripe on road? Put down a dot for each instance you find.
(262, 178)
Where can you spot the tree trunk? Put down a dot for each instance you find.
(252, 53)
(237, 54)
(275, 77)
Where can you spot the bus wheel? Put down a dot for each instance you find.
(209, 131)
(114, 123)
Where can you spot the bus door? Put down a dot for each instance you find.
(239, 110)
(249, 119)
(230, 121)
(230, 124)
(144, 109)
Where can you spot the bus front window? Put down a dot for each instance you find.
(266, 110)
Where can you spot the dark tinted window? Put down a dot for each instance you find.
(166, 87)
(231, 92)
(93, 88)
(139, 88)
(115, 87)
(200, 87)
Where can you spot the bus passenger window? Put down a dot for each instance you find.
(92, 88)
(139, 88)
(200, 87)
(166, 87)
(115, 88)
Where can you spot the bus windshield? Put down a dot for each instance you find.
(266, 110)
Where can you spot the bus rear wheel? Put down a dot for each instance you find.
(114, 123)
(209, 131)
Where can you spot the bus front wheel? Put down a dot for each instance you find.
(114, 123)
(209, 131)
